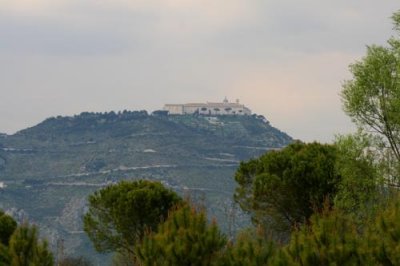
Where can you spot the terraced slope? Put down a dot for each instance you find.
(47, 171)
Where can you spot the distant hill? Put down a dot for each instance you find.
(48, 170)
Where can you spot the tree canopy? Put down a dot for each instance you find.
(372, 97)
(185, 238)
(7, 227)
(119, 214)
(27, 249)
(20, 244)
(285, 187)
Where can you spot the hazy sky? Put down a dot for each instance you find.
(284, 59)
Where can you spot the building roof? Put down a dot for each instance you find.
(224, 104)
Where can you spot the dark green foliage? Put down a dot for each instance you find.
(334, 238)
(360, 185)
(185, 238)
(249, 249)
(287, 186)
(124, 259)
(26, 249)
(331, 238)
(7, 227)
(74, 261)
(382, 241)
(87, 121)
(4, 255)
(119, 215)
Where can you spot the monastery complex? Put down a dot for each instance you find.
(223, 108)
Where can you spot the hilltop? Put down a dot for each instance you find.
(48, 170)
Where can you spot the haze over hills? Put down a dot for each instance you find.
(47, 171)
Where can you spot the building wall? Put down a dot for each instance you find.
(208, 109)
(190, 109)
(224, 110)
(174, 109)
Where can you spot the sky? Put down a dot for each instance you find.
(284, 59)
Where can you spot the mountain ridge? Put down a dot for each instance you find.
(50, 169)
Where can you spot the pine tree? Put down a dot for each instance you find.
(282, 189)
(185, 238)
(250, 248)
(119, 214)
(331, 238)
(26, 249)
(382, 241)
(7, 227)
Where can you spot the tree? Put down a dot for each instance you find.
(185, 238)
(283, 188)
(382, 240)
(119, 215)
(7, 227)
(249, 248)
(359, 188)
(25, 249)
(372, 97)
(331, 238)
(20, 245)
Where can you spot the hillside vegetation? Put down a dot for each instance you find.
(49, 170)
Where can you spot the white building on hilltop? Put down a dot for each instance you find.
(224, 108)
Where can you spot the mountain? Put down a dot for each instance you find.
(47, 171)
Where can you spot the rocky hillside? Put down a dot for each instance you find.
(47, 171)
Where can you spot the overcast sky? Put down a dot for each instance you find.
(284, 59)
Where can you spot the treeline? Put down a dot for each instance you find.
(84, 122)
(144, 223)
(111, 116)
(308, 203)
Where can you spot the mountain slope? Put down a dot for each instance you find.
(49, 169)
